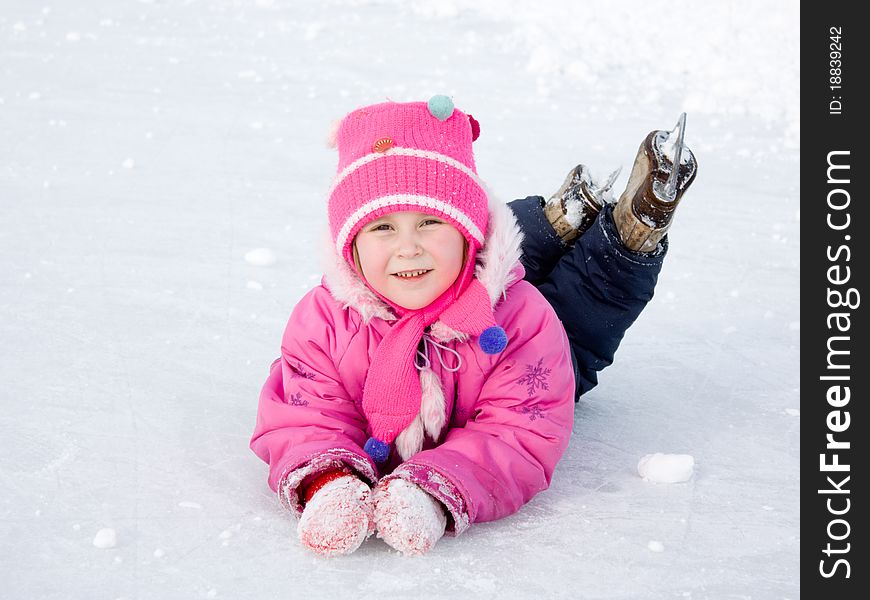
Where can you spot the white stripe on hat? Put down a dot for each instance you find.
(396, 199)
(396, 151)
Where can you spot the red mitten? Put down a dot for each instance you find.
(406, 517)
(338, 514)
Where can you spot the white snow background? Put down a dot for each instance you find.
(147, 146)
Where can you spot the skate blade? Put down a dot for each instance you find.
(670, 146)
(605, 190)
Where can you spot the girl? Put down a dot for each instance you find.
(424, 385)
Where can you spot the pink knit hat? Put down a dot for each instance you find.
(406, 156)
(413, 156)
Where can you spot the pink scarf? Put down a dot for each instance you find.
(392, 393)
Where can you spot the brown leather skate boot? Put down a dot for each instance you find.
(573, 208)
(646, 207)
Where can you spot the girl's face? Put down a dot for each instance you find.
(392, 250)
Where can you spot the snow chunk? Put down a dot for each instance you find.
(254, 285)
(186, 504)
(656, 546)
(666, 468)
(260, 257)
(105, 538)
(574, 213)
(793, 412)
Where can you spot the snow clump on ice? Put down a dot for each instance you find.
(260, 257)
(666, 468)
(105, 538)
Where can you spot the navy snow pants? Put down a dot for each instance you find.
(597, 286)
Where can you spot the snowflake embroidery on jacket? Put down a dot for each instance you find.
(533, 412)
(536, 377)
(299, 371)
(296, 400)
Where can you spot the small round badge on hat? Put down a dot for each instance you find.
(382, 145)
(441, 107)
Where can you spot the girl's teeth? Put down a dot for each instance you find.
(411, 274)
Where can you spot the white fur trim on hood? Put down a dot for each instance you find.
(497, 259)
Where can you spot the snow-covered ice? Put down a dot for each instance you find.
(147, 146)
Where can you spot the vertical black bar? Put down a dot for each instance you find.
(834, 260)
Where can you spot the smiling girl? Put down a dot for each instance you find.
(424, 386)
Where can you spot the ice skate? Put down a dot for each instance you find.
(573, 208)
(646, 207)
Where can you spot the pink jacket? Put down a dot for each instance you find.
(489, 434)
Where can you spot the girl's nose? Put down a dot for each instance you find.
(409, 246)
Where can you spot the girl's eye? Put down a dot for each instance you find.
(379, 227)
(427, 221)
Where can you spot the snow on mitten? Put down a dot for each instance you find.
(407, 518)
(338, 517)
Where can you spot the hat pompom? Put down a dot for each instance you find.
(493, 340)
(332, 136)
(441, 107)
(378, 450)
(475, 128)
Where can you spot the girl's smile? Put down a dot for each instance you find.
(412, 275)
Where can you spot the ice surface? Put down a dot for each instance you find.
(134, 349)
